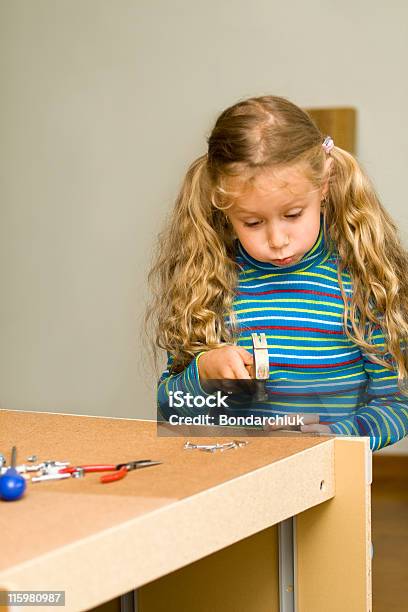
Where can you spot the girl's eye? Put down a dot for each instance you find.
(255, 223)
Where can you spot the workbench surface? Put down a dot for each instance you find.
(97, 541)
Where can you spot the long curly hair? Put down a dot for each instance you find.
(194, 274)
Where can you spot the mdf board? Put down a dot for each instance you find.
(333, 540)
(332, 562)
(244, 576)
(198, 514)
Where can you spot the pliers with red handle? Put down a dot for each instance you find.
(121, 469)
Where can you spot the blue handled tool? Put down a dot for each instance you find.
(12, 484)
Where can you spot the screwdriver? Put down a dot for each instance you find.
(12, 484)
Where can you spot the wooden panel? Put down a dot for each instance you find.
(110, 606)
(98, 541)
(339, 123)
(240, 578)
(334, 539)
(80, 440)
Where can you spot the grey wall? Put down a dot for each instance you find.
(103, 106)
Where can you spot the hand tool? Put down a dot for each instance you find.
(261, 366)
(12, 484)
(120, 470)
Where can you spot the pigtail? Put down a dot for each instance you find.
(369, 247)
(193, 275)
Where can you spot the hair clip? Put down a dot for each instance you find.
(328, 144)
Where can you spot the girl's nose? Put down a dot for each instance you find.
(277, 239)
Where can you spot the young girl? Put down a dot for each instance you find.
(278, 230)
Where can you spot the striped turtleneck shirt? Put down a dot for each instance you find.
(313, 366)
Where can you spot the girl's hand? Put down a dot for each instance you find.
(226, 362)
(310, 420)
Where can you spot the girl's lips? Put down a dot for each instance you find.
(282, 262)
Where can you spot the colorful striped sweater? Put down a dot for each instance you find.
(314, 367)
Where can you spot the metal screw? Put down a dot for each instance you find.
(210, 448)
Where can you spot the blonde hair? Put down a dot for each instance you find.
(194, 273)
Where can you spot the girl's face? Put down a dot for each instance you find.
(280, 217)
